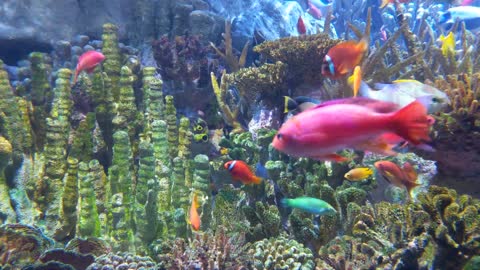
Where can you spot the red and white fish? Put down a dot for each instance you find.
(302, 30)
(320, 132)
(240, 171)
(400, 177)
(343, 58)
(88, 61)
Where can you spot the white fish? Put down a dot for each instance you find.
(468, 14)
(403, 92)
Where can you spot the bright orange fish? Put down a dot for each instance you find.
(400, 177)
(240, 171)
(194, 216)
(88, 61)
(343, 58)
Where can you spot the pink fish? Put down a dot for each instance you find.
(383, 33)
(314, 11)
(301, 26)
(320, 132)
(466, 2)
(87, 62)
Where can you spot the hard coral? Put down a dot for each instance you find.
(303, 56)
(206, 251)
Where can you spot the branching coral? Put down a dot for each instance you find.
(206, 251)
(232, 62)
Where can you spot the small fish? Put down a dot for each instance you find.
(88, 61)
(240, 171)
(300, 103)
(383, 33)
(470, 15)
(321, 131)
(194, 218)
(310, 205)
(400, 177)
(386, 2)
(343, 58)
(357, 79)
(301, 26)
(403, 92)
(223, 151)
(314, 11)
(448, 44)
(358, 174)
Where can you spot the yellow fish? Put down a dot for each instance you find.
(448, 44)
(358, 174)
(357, 80)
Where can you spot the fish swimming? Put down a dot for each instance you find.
(240, 171)
(314, 11)
(468, 14)
(321, 131)
(401, 177)
(310, 205)
(88, 61)
(301, 26)
(403, 92)
(343, 58)
(300, 103)
(448, 44)
(358, 174)
(194, 218)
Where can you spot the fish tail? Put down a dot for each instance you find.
(384, 3)
(412, 123)
(76, 77)
(289, 104)
(195, 201)
(411, 187)
(256, 180)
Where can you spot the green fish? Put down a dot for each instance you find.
(310, 205)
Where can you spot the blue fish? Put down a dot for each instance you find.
(468, 14)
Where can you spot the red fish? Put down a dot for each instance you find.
(383, 33)
(301, 26)
(88, 61)
(240, 171)
(343, 58)
(194, 219)
(400, 177)
(321, 131)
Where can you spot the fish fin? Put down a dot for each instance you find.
(289, 104)
(411, 123)
(364, 89)
(331, 157)
(384, 3)
(261, 171)
(256, 180)
(405, 81)
(90, 70)
(75, 77)
(357, 80)
(362, 45)
(410, 172)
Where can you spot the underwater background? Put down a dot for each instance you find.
(138, 134)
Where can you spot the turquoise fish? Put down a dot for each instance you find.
(310, 205)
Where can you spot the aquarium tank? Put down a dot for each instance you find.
(238, 135)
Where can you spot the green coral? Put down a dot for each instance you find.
(112, 64)
(88, 221)
(69, 201)
(7, 215)
(281, 253)
(264, 221)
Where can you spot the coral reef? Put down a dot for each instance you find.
(281, 253)
(122, 261)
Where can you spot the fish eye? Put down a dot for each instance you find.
(205, 138)
(436, 100)
(279, 136)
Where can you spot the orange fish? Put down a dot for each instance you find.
(88, 61)
(240, 171)
(357, 80)
(343, 58)
(194, 216)
(400, 177)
